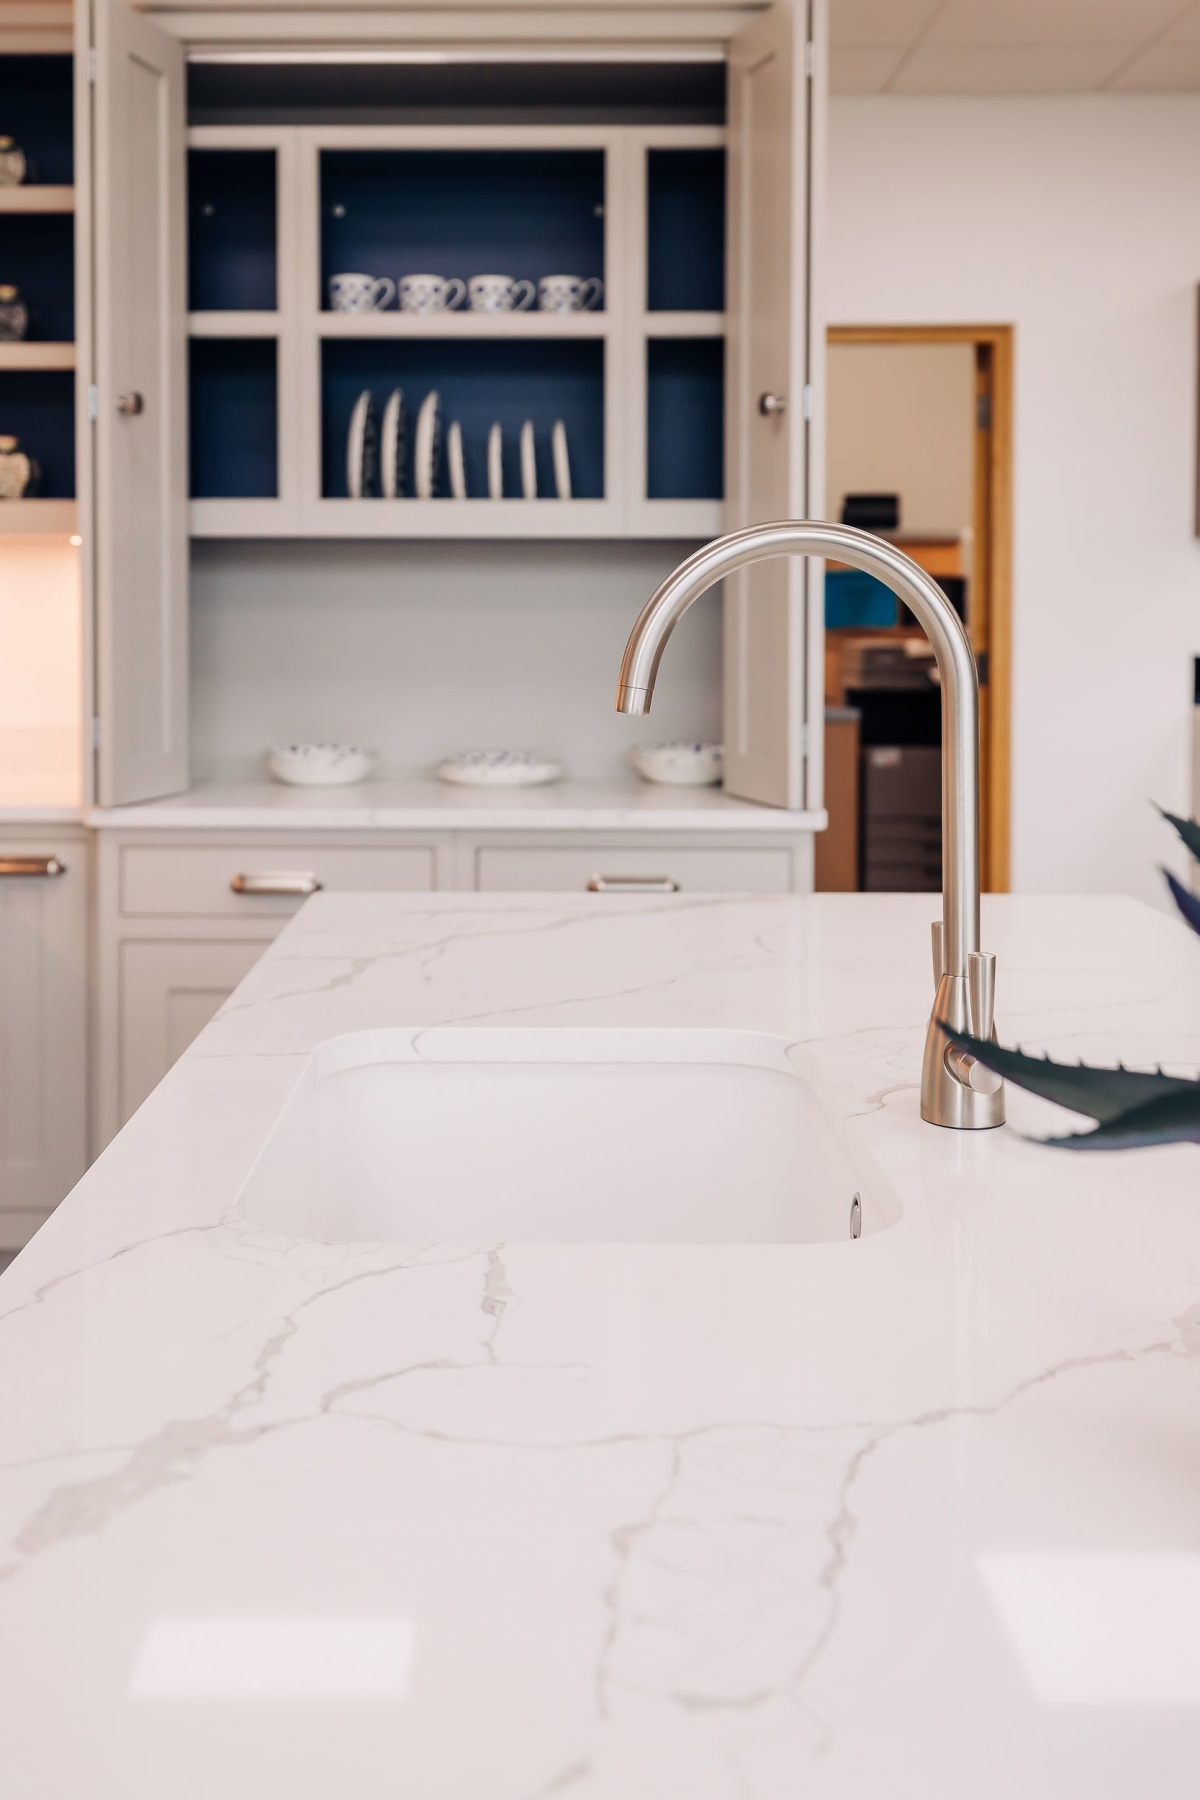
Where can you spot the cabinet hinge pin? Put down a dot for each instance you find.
(808, 400)
(93, 403)
(91, 65)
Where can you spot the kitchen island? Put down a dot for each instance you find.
(917, 1514)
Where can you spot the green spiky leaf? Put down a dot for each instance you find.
(1185, 900)
(1188, 830)
(1132, 1107)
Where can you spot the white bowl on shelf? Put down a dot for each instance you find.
(319, 765)
(679, 765)
(499, 768)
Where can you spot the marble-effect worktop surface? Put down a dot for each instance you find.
(913, 1516)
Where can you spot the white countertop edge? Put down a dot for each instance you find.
(41, 815)
(434, 806)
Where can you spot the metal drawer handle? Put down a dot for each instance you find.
(299, 884)
(31, 865)
(632, 884)
(130, 405)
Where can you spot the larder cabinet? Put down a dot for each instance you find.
(225, 380)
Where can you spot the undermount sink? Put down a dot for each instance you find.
(535, 1135)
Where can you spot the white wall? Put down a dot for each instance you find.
(41, 673)
(900, 419)
(1078, 220)
(420, 649)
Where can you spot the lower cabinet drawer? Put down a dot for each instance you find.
(247, 881)
(689, 869)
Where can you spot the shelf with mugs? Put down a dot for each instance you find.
(464, 324)
(319, 241)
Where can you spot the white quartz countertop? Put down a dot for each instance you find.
(916, 1516)
(423, 803)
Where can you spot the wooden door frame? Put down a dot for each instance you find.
(991, 613)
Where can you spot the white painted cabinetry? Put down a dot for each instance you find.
(264, 391)
(43, 1023)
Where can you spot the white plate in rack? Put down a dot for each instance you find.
(426, 446)
(393, 446)
(457, 462)
(495, 463)
(362, 445)
(528, 462)
(562, 461)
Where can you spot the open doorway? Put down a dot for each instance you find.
(919, 448)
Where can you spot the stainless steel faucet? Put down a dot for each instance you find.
(956, 1089)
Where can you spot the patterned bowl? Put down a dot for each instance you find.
(679, 765)
(319, 765)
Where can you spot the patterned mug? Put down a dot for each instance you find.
(500, 294)
(352, 292)
(569, 293)
(431, 293)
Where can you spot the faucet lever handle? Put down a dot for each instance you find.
(981, 991)
(938, 935)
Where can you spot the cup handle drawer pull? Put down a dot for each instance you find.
(632, 884)
(32, 865)
(294, 886)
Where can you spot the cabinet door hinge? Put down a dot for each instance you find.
(808, 400)
(93, 403)
(91, 65)
(95, 734)
(810, 59)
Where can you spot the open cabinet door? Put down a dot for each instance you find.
(138, 506)
(774, 619)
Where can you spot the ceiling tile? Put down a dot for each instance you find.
(861, 71)
(1163, 69)
(976, 24)
(1007, 71)
(867, 24)
(1185, 30)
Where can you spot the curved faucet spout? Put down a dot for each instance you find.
(959, 955)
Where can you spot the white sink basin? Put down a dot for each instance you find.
(572, 1136)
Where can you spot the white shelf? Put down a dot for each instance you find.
(37, 518)
(683, 324)
(37, 199)
(233, 324)
(37, 356)
(462, 325)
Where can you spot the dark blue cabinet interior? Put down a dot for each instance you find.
(231, 231)
(37, 255)
(36, 108)
(480, 381)
(685, 418)
(38, 407)
(685, 230)
(525, 213)
(233, 434)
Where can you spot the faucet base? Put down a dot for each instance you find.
(947, 1095)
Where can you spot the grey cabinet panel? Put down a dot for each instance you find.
(43, 1030)
(168, 993)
